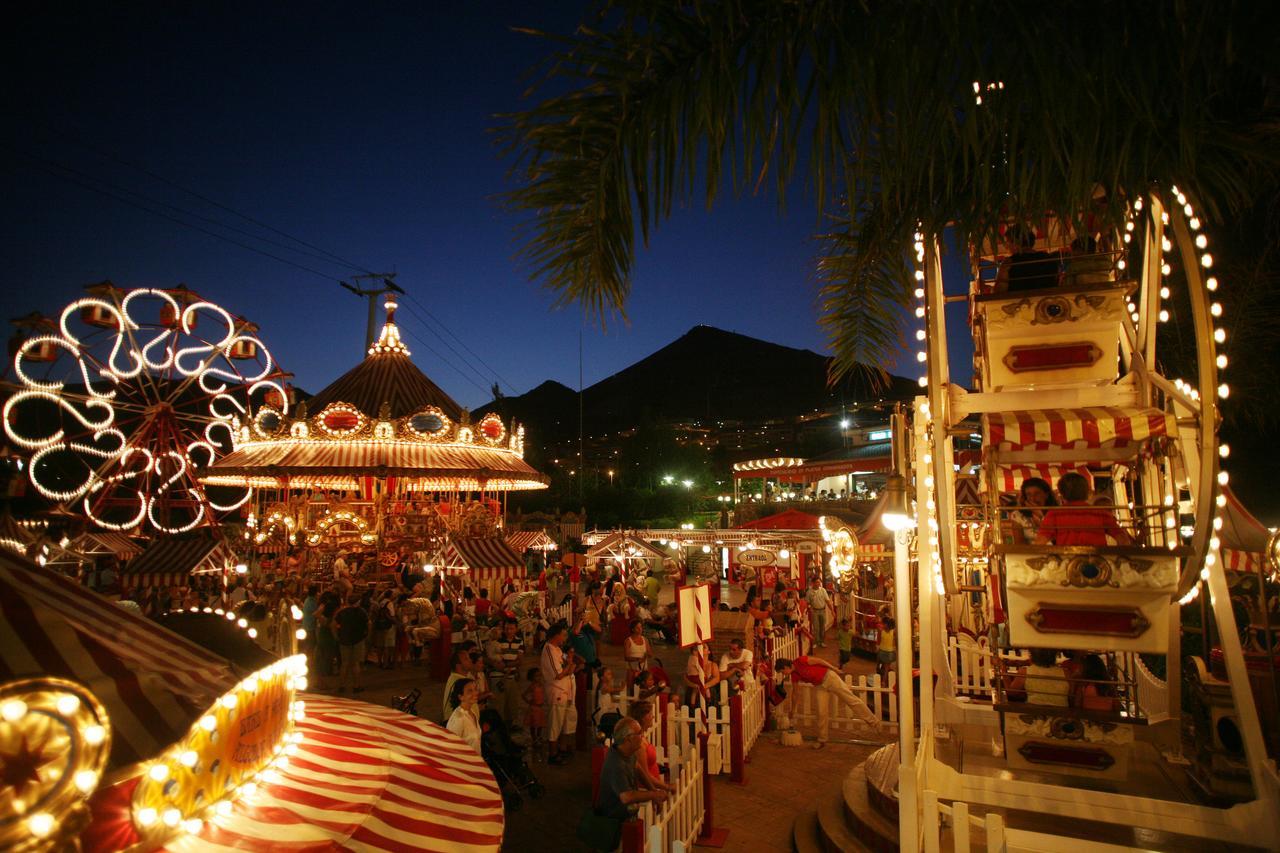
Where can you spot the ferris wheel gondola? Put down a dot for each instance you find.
(127, 396)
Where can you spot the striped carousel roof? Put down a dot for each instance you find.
(302, 458)
(385, 377)
(153, 683)
(366, 778)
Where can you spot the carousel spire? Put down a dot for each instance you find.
(389, 341)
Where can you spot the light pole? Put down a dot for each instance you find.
(897, 516)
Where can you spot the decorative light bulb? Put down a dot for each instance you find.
(147, 816)
(159, 772)
(1164, 316)
(86, 781)
(172, 817)
(1221, 361)
(1224, 450)
(1223, 478)
(193, 825)
(94, 735)
(1194, 223)
(1220, 335)
(208, 722)
(1223, 390)
(13, 710)
(1201, 241)
(1206, 260)
(40, 824)
(1215, 309)
(1165, 245)
(1211, 283)
(301, 633)
(188, 758)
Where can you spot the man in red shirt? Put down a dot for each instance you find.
(822, 675)
(1076, 522)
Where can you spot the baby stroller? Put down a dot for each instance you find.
(506, 759)
(408, 703)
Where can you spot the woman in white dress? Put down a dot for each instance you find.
(464, 722)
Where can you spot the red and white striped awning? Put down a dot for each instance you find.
(365, 778)
(527, 540)
(487, 558)
(153, 683)
(1242, 561)
(1110, 433)
(1009, 478)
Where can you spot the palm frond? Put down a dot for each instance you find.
(874, 103)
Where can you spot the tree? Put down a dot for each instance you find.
(900, 116)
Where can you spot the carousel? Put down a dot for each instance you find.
(383, 469)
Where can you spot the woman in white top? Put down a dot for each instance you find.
(463, 722)
(635, 649)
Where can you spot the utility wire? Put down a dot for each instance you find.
(182, 222)
(119, 193)
(194, 194)
(446, 361)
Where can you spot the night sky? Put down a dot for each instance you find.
(365, 132)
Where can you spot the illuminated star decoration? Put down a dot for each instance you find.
(22, 766)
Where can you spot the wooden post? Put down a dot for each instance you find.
(737, 741)
(709, 835)
(633, 836)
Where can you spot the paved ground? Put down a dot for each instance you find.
(781, 781)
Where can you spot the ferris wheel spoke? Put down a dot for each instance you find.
(136, 446)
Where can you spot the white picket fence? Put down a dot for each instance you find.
(973, 667)
(880, 698)
(753, 715)
(672, 827)
(689, 720)
(783, 645)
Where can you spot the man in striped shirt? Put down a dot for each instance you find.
(502, 659)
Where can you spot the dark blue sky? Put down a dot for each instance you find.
(363, 131)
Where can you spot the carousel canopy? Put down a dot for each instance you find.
(366, 778)
(384, 418)
(171, 559)
(1244, 538)
(153, 683)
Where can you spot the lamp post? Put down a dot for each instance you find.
(899, 519)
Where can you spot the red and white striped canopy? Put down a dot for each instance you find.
(153, 683)
(485, 558)
(1011, 477)
(525, 540)
(366, 778)
(1100, 428)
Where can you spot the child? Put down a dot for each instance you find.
(608, 710)
(886, 648)
(844, 637)
(535, 698)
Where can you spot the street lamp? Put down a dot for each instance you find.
(610, 473)
(897, 512)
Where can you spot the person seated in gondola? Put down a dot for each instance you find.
(1076, 522)
(1026, 268)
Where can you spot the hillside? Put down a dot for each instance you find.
(706, 375)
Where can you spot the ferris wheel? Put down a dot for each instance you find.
(128, 395)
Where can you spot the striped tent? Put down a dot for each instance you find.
(366, 778)
(1244, 538)
(530, 540)
(385, 377)
(171, 560)
(487, 558)
(103, 542)
(1102, 433)
(1009, 478)
(153, 683)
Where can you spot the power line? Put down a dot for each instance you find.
(181, 222)
(333, 258)
(461, 342)
(115, 192)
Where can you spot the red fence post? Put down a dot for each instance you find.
(709, 835)
(737, 741)
(633, 836)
